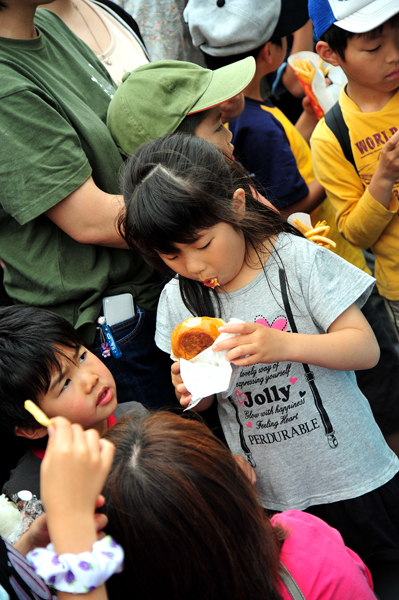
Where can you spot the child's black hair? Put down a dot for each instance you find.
(178, 185)
(31, 342)
(337, 38)
(215, 62)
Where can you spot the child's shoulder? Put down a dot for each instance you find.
(318, 267)
(25, 476)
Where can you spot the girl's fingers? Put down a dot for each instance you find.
(185, 400)
(175, 368)
(238, 328)
(100, 501)
(107, 451)
(100, 521)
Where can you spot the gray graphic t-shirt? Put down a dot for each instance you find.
(310, 443)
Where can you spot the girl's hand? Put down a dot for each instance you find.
(182, 393)
(255, 344)
(348, 345)
(73, 473)
(246, 467)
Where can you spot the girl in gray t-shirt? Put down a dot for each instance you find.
(296, 413)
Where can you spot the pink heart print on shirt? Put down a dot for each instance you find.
(279, 323)
(241, 397)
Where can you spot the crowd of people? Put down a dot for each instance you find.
(130, 170)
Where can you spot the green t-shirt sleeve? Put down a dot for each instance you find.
(41, 157)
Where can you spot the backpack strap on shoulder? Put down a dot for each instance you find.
(335, 121)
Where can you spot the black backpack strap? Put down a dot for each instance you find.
(335, 121)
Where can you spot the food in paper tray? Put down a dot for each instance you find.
(317, 234)
(306, 70)
(194, 335)
(311, 71)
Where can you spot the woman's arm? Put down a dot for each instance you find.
(89, 215)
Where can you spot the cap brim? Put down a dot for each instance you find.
(225, 83)
(369, 17)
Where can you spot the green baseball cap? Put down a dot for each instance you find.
(154, 99)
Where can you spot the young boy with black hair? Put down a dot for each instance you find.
(363, 39)
(262, 135)
(44, 359)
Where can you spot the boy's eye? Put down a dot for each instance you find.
(206, 246)
(220, 127)
(67, 382)
(374, 49)
(83, 356)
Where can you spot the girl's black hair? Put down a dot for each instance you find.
(178, 186)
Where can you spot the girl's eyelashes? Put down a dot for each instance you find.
(206, 246)
(167, 258)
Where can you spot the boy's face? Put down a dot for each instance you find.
(84, 392)
(231, 109)
(213, 130)
(372, 63)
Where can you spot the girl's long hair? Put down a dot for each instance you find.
(187, 517)
(177, 186)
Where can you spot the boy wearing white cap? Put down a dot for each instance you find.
(362, 36)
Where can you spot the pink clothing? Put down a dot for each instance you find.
(317, 558)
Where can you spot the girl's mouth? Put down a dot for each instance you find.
(105, 396)
(212, 283)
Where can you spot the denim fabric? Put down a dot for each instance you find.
(142, 373)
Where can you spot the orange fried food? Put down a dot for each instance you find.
(194, 335)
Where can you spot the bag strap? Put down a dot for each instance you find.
(328, 428)
(290, 583)
(335, 121)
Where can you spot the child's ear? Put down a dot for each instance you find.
(239, 200)
(265, 53)
(30, 432)
(325, 52)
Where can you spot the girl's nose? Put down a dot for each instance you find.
(195, 267)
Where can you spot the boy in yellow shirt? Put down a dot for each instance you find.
(362, 36)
